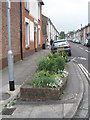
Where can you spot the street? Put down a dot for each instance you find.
(80, 54)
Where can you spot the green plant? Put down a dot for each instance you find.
(5, 106)
(52, 63)
(64, 55)
(43, 64)
(44, 79)
(41, 79)
(13, 103)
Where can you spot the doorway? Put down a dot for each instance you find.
(35, 37)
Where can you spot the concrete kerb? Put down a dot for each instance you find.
(13, 95)
(85, 72)
(75, 107)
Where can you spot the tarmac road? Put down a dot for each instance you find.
(81, 54)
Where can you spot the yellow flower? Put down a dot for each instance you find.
(48, 58)
(51, 55)
(62, 55)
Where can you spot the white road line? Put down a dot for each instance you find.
(85, 71)
(87, 51)
(81, 48)
(81, 58)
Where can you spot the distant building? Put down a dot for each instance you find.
(49, 31)
(84, 34)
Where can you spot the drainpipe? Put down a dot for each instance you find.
(21, 49)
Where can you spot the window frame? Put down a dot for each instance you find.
(27, 44)
(39, 36)
(38, 11)
(27, 5)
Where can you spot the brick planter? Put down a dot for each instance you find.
(28, 93)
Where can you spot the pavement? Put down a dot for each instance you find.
(66, 107)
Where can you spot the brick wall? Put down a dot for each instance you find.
(15, 32)
(44, 28)
(0, 35)
(26, 14)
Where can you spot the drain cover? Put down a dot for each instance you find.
(8, 111)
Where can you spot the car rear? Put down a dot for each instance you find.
(60, 46)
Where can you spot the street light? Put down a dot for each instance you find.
(10, 55)
(81, 32)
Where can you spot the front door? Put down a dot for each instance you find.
(35, 37)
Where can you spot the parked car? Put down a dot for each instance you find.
(69, 39)
(73, 40)
(77, 41)
(87, 42)
(61, 45)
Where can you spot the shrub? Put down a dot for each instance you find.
(64, 55)
(43, 64)
(52, 63)
(50, 71)
(44, 79)
(41, 79)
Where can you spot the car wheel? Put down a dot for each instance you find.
(70, 54)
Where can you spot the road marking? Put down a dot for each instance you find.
(87, 51)
(85, 71)
(77, 45)
(81, 48)
(81, 58)
(74, 59)
(78, 58)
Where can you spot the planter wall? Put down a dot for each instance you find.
(28, 93)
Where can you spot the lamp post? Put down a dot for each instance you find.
(10, 55)
(81, 32)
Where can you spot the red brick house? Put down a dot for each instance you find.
(84, 33)
(49, 31)
(15, 33)
(32, 21)
(26, 29)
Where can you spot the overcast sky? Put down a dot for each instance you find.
(66, 15)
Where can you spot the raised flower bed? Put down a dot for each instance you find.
(49, 81)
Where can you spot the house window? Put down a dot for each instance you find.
(39, 11)
(26, 35)
(31, 31)
(39, 36)
(26, 4)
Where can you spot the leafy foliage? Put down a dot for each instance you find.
(52, 63)
(62, 35)
(44, 79)
(50, 71)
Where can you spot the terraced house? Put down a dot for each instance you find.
(49, 31)
(26, 29)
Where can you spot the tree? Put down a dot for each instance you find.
(62, 35)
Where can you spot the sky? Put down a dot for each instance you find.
(66, 15)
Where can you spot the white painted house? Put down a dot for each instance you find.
(49, 30)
